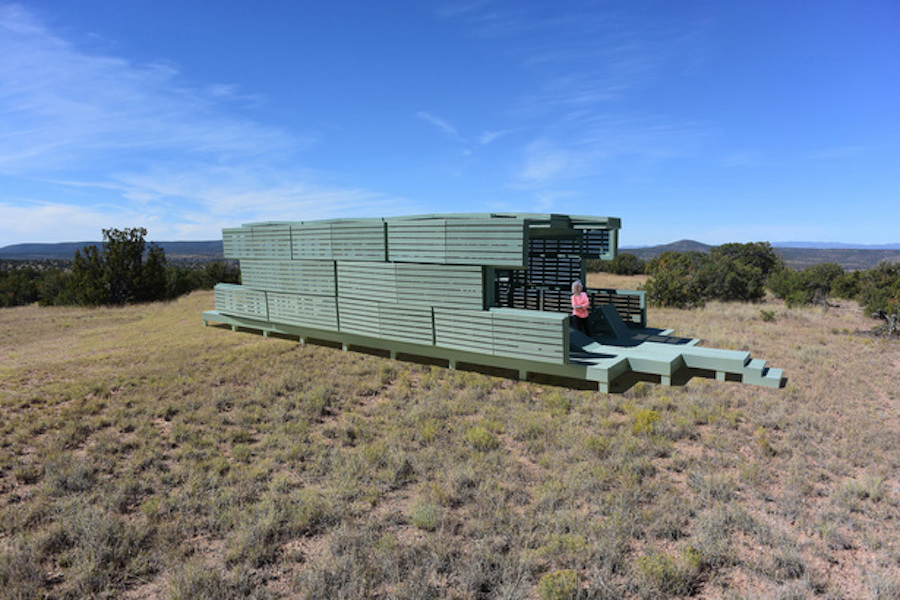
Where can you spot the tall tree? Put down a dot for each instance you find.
(119, 274)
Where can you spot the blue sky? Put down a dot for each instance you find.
(714, 121)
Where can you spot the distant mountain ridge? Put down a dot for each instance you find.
(210, 250)
(796, 255)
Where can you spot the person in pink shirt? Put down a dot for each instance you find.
(580, 305)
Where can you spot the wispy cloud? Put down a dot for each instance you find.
(585, 62)
(67, 107)
(442, 125)
(154, 147)
(489, 137)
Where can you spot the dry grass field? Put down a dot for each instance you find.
(145, 456)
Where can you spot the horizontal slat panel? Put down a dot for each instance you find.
(240, 301)
(358, 316)
(359, 240)
(530, 334)
(271, 241)
(417, 241)
(311, 311)
(495, 242)
(311, 241)
(463, 330)
(370, 281)
(409, 323)
(290, 276)
(236, 242)
(450, 286)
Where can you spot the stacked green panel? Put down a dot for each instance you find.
(267, 241)
(352, 239)
(511, 333)
(241, 301)
(417, 241)
(319, 312)
(314, 277)
(370, 282)
(362, 239)
(311, 241)
(529, 334)
(448, 286)
(468, 330)
(452, 286)
(491, 242)
(236, 242)
(477, 241)
(385, 320)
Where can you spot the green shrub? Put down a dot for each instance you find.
(558, 585)
(425, 515)
(623, 264)
(675, 279)
(664, 574)
(879, 288)
(759, 255)
(645, 421)
(687, 279)
(812, 285)
(481, 438)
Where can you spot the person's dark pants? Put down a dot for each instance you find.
(582, 325)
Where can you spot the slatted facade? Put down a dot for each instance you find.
(241, 301)
(356, 239)
(318, 312)
(510, 333)
(313, 277)
(491, 289)
(405, 323)
(487, 242)
(419, 280)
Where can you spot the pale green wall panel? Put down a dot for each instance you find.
(292, 276)
(310, 311)
(241, 301)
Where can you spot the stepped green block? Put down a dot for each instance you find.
(715, 359)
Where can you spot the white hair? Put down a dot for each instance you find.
(576, 284)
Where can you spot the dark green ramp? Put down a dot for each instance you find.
(614, 322)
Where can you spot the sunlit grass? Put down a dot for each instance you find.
(143, 454)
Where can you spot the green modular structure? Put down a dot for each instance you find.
(462, 290)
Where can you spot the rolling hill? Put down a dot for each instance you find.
(797, 255)
(210, 250)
